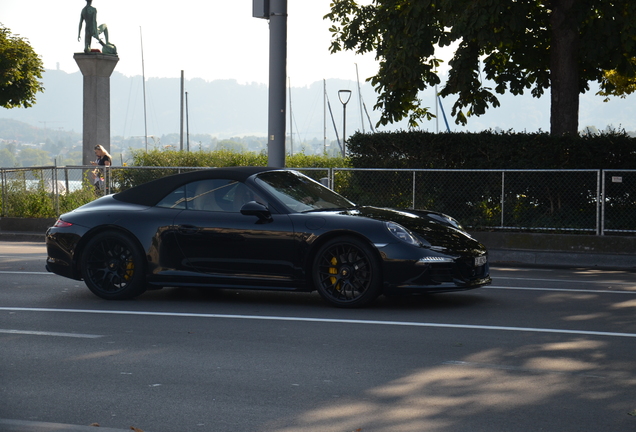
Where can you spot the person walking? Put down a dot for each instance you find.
(104, 159)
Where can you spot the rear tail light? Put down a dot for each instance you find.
(62, 224)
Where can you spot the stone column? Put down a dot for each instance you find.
(96, 69)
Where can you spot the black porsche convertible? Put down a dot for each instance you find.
(260, 228)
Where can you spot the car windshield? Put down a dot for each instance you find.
(300, 193)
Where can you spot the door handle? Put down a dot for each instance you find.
(188, 229)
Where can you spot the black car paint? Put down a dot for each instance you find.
(255, 252)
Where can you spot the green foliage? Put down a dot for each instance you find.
(174, 162)
(507, 43)
(29, 157)
(223, 158)
(72, 200)
(20, 69)
(232, 146)
(7, 159)
(25, 195)
(217, 158)
(542, 195)
(28, 193)
(36, 204)
(615, 83)
(492, 150)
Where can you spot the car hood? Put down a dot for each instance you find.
(425, 224)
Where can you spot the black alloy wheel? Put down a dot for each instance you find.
(346, 272)
(112, 267)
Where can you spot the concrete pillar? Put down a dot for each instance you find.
(96, 69)
(277, 83)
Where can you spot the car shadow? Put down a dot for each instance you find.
(228, 296)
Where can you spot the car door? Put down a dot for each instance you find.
(232, 248)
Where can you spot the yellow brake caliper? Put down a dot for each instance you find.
(334, 270)
(130, 270)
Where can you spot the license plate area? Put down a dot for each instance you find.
(480, 260)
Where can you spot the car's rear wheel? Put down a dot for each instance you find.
(346, 272)
(112, 266)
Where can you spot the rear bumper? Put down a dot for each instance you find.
(60, 249)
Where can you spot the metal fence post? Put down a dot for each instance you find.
(503, 196)
(4, 192)
(602, 203)
(56, 189)
(599, 204)
(413, 191)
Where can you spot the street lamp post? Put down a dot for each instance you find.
(344, 96)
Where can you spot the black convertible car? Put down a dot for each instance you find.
(260, 228)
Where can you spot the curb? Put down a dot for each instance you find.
(22, 236)
(7, 425)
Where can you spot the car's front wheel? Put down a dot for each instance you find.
(112, 267)
(346, 272)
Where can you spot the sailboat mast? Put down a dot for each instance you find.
(181, 95)
(324, 116)
(143, 77)
(291, 121)
(359, 98)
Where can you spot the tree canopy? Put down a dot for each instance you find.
(20, 71)
(515, 46)
(615, 84)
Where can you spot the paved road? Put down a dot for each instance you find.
(539, 350)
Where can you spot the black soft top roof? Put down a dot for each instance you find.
(151, 193)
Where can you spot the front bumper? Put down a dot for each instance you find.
(442, 274)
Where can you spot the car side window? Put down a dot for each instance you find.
(218, 195)
(175, 199)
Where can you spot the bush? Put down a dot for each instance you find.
(492, 150)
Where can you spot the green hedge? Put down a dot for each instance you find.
(225, 158)
(126, 178)
(492, 150)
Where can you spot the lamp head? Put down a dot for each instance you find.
(344, 96)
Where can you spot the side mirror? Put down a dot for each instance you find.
(253, 208)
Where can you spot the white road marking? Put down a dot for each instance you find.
(26, 272)
(557, 289)
(327, 320)
(41, 333)
(566, 280)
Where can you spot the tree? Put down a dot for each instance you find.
(615, 84)
(20, 69)
(519, 45)
(7, 159)
(29, 157)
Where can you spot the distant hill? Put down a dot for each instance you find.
(226, 108)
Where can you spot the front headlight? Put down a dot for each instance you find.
(402, 233)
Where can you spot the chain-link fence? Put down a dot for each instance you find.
(578, 201)
(618, 212)
(582, 201)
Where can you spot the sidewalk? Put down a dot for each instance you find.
(560, 250)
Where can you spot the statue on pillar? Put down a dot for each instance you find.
(92, 30)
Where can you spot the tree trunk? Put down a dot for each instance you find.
(564, 69)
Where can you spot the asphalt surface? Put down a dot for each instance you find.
(538, 350)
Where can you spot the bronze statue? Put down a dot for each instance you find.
(92, 30)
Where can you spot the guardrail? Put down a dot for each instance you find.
(595, 202)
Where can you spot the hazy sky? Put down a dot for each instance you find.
(214, 39)
(209, 39)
